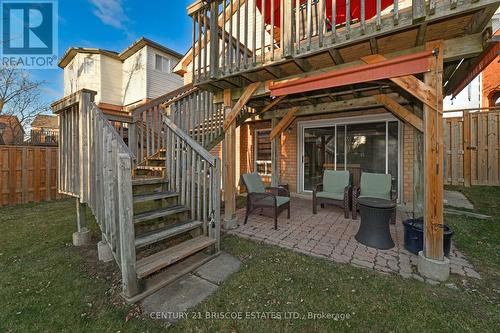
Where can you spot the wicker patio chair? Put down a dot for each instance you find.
(335, 190)
(258, 196)
(374, 185)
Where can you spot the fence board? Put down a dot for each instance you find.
(27, 174)
(478, 139)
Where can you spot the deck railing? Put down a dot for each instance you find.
(189, 108)
(95, 166)
(44, 137)
(196, 175)
(231, 36)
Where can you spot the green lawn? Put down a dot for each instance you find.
(47, 285)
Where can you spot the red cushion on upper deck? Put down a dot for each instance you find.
(370, 9)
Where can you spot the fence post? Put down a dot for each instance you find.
(126, 225)
(466, 146)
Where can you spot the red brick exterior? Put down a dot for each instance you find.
(491, 83)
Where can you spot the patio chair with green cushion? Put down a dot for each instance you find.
(373, 185)
(335, 190)
(259, 196)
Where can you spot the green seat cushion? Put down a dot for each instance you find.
(331, 195)
(253, 183)
(335, 181)
(279, 201)
(375, 185)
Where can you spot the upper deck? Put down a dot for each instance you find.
(307, 35)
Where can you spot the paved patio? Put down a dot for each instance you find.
(329, 235)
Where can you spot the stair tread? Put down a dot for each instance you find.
(156, 213)
(166, 232)
(137, 180)
(154, 196)
(150, 167)
(167, 257)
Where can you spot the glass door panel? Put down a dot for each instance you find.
(319, 154)
(365, 149)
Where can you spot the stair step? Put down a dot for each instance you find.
(166, 232)
(171, 274)
(154, 196)
(162, 212)
(137, 181)
(158, 158)
(150, 167)
(162, 259)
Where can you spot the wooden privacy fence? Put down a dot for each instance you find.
(27, 174)
(472, 144)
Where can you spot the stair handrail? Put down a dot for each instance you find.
(95, 166)
(195, 174)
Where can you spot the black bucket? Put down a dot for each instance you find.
(414, 236)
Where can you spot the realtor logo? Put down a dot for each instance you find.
(29, 33)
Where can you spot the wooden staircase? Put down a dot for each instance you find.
(169, 242)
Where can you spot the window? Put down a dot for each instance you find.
(263, 152)
(88, 66)
(162, 64)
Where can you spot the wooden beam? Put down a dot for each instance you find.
(231, 117)
(377, 70)
(284, 123)
(273, 103)
(410, 83)
(434, 159)
(400, 111)
(338, 106)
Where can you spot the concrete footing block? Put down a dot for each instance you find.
(81, 238)
(104, 251)
(438, 270)
(230, 223)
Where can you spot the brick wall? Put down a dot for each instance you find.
(407, 164)
(491, 82)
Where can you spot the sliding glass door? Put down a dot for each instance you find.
(357, 147)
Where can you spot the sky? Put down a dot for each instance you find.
(114, 25)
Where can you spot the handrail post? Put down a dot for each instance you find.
(126, 225)
(214, 32)
(287, 42)
(216, 197)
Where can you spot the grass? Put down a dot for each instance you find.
(47, 285)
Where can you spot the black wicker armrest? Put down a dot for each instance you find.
(280, 191)
(347, 191)
(356, 191)
(394, 195)
(318, 188)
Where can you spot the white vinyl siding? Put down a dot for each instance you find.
(111, 80)
(75, 77)
(159, 82)
(134, 78)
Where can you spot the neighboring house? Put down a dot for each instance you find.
(122, 80)
(45, 130)
(11, 131)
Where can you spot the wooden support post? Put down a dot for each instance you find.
(433, 159)
(467, 150)
(229, 162)
(418, 171)
(275, 149)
